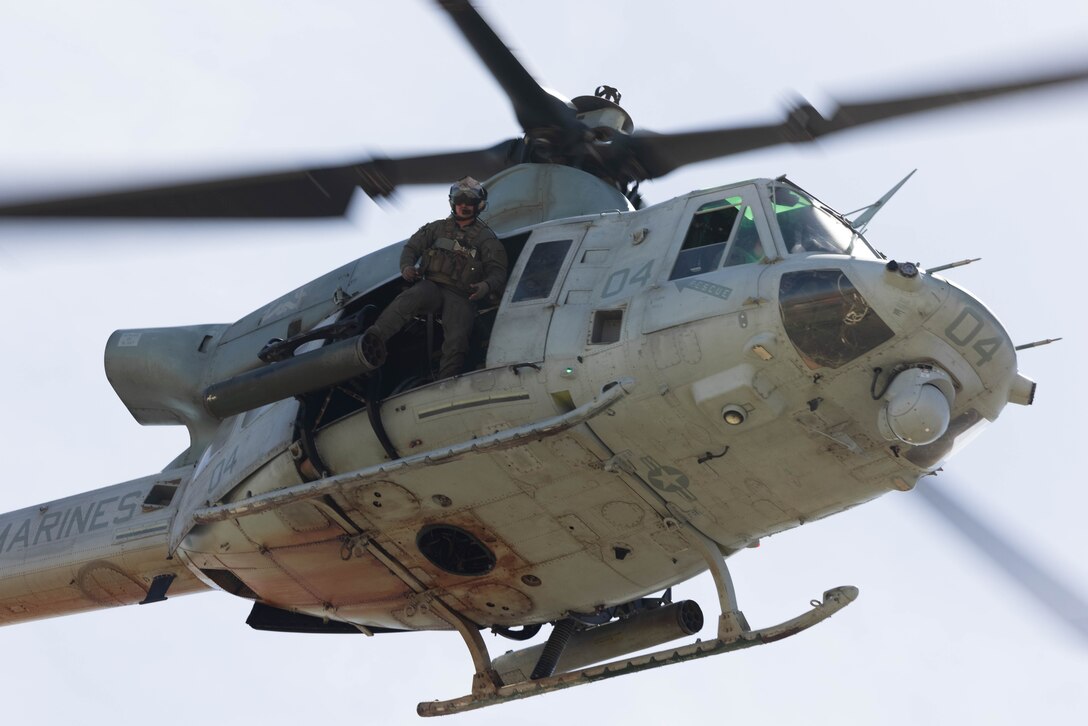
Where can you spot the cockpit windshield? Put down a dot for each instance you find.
(808, 226)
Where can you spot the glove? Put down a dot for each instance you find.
(479, 290)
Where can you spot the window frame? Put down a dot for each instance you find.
(750, 200)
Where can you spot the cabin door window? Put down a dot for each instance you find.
(521, 326)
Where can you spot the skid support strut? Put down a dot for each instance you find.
(485, 681)
(731, 623)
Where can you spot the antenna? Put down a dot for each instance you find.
(870, 211)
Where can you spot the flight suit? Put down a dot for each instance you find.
(452, 259)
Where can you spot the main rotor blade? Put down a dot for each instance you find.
(535, 108)
(320, 192)
(1049, 591)
(658, 154)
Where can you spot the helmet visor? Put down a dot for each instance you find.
(464, 196)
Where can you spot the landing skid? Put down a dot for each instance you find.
(733, 634)
(833, 601)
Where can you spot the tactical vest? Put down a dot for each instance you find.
(453, 263)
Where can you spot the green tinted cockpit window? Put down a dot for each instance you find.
(712, 227)
(747, 247)
(808, 226)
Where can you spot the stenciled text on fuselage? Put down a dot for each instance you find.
(50, 526)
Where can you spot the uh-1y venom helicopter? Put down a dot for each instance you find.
(534, 488)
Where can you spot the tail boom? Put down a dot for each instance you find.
(94, 550)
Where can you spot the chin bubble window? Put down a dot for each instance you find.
(827, 319)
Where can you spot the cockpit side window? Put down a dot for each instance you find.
(747, 247)
(708, 237)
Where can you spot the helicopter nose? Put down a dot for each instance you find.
(954, 365)
(980, 353)
(940, 365)
(964, 337)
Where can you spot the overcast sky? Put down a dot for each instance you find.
(94, 93)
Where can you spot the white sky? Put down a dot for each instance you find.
(106, 90)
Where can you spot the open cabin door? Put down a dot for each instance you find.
(525, 314)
